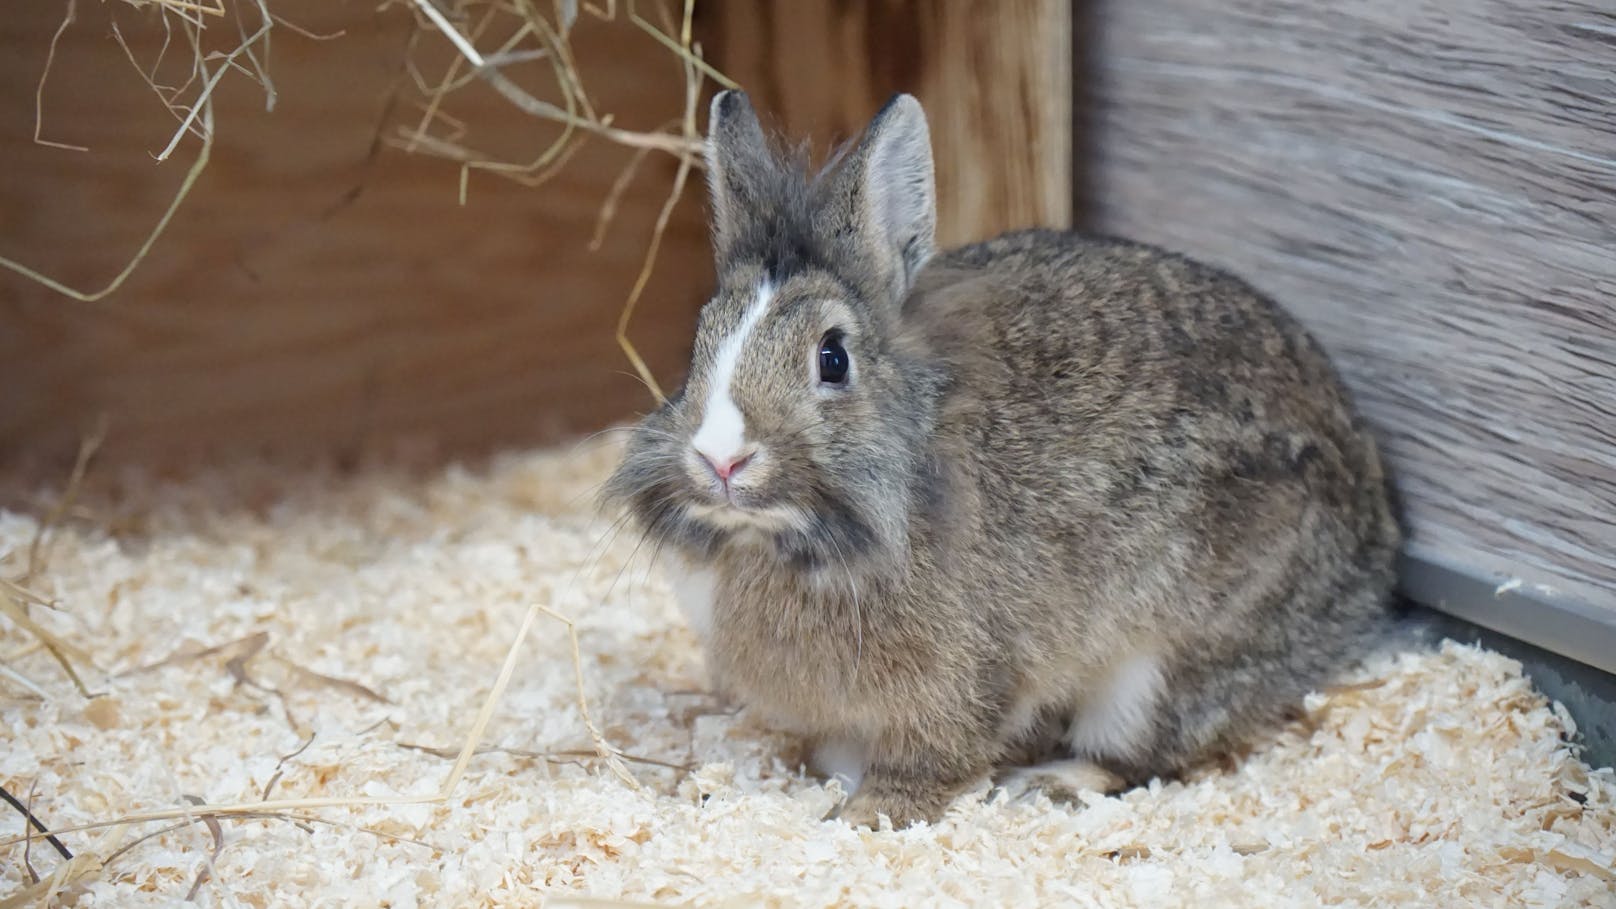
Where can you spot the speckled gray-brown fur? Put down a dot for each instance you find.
(1057, 451)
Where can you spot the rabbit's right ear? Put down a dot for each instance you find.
(738, 161)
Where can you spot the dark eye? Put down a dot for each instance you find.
(833, 360)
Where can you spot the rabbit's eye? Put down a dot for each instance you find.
(833, 360)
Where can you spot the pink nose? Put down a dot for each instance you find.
(725, 467)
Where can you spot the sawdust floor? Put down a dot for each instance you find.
(359, 619)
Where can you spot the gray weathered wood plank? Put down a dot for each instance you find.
(1431, 187)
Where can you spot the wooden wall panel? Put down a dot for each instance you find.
(1431, 186)
(995, 80)
(310, 294)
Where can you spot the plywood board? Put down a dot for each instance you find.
(315, 292)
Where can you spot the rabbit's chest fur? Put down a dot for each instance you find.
(952, 638)
(814, 657)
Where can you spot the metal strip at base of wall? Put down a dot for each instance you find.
(1566, 647)
(1528, 612)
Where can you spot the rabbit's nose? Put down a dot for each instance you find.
(723, 467)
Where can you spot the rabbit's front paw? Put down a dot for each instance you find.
(1062, 781)
(867, 809)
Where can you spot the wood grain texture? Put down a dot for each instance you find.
(995, 80)
(310, 294)
(1431, 186)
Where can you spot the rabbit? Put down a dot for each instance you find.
(1051, 497)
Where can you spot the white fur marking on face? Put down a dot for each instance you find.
(722, 433)
(694, 589)
(1116, 719)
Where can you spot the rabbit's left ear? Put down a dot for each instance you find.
(894, 191)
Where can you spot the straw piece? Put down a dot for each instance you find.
(39, 91)
(197, 167)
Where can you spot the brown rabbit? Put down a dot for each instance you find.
(1047, 496)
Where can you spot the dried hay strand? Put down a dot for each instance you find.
(16, 597)
(525, 35)
(497, 43)
(1430, 777)
(191, 102)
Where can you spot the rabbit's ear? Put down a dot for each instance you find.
(738, 161)
(896, 190)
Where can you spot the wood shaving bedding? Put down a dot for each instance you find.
(313, 634)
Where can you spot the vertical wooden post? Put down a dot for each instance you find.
(995, 79)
